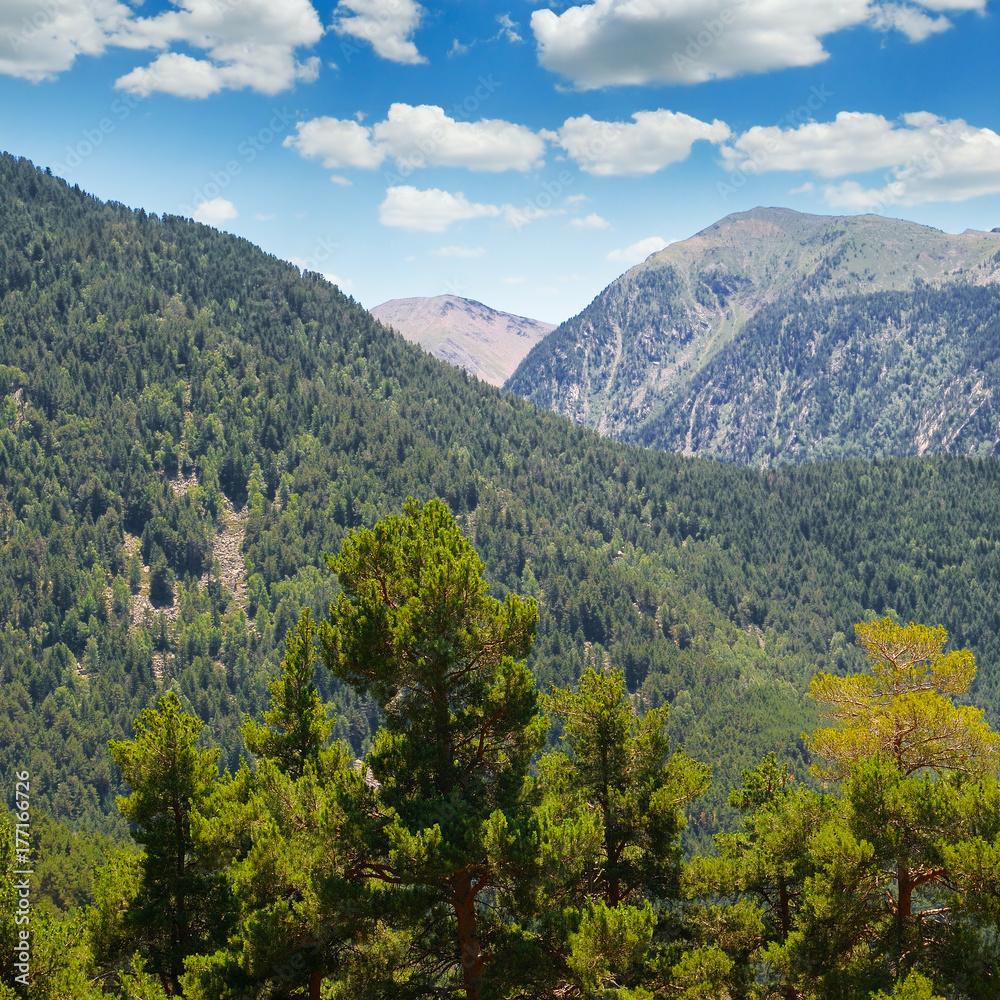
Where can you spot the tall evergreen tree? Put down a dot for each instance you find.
(174, 911)
(416, 628)
(295, 727)
(623, 766)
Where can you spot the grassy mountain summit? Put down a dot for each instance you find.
(485, 342)
(636, 362)
(187, 424)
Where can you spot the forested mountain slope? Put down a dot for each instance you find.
(892, 373)
(771, 296)
(172, 398)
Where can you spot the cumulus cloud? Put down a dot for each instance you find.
(250, 44)
(420, 136)
(911, 21)
(431, 211)
(463, 252)
(614, 42)
(637, 252)
(928, 158)
(653, 141)
(592, 221)
(387, 24)
(41, 38)
(426, 135)
(215, 212)
(338, 142)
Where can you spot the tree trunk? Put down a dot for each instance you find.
(314, 985)
(784, 901)
(472, 956)
(904, 909)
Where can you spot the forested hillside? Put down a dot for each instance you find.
(189, 424)
(759, 339)
(893, 373)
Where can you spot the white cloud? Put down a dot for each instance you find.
(249, 44)
(592, 221)
(215, 212)
(420, 136)
(464, 252)
(911, 21)
(41, 39)
(517, 217)
(639, 251)
(341, 181)
(854, 142)
(515, 280)
(928, 158)
(508, 28)
(387, 24)
(614, 42)
(339, 142)
(431, 211)
(654, 141)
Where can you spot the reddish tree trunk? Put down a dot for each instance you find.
(314, 985)
(471, 954)
(784, 901)
(905, 884)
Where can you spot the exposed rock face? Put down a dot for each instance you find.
(486, 343)
(640, 362)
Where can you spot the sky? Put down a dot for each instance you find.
(513, 152)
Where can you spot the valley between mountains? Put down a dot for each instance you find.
(789, 426)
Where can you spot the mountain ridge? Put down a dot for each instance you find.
(621, 364)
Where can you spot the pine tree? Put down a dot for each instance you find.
(295, 727)
(415, 627)
(903, 708)
(174, 911)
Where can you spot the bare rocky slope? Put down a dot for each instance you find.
(637, 364)
(485, 342)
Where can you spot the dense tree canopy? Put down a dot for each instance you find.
(188, 425)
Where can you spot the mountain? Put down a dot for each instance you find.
(465, 333)
(187, 424)
(708, 348)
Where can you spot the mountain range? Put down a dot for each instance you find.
(187, 425)
(775, 336)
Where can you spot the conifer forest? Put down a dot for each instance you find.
(328, 671)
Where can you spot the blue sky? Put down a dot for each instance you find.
(516, 153)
